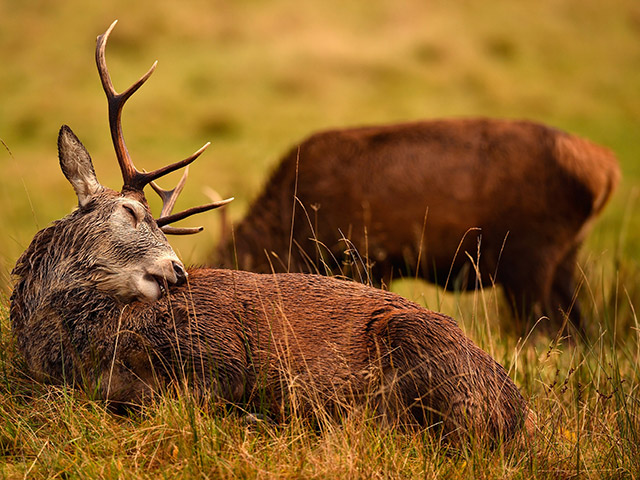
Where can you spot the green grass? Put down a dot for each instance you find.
(254, 78)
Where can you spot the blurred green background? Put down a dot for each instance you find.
(255, 77)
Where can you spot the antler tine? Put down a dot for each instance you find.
(169, 197)
(132, 177)
(191, 211)
(180, 230)
(148, 177)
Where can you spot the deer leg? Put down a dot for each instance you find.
(122, 389)
(563, 291)
(527, 288)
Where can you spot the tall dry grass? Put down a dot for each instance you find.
(584, 394)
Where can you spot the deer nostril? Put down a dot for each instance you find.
(181, 274)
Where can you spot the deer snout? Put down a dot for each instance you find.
(181, 273)
(161, 273)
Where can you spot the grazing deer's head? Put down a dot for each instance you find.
(124, 251)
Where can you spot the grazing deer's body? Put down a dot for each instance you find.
(422, 195)
(101, 300)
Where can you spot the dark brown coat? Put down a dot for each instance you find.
(417, 198)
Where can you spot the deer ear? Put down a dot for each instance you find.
(77, 166)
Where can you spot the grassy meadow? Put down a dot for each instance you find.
(255, 77)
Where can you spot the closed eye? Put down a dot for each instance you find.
(132, 213)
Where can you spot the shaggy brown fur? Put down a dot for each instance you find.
(244, 337)
(421, 196)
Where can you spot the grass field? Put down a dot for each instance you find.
(255, 77)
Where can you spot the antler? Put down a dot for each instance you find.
(132, 177)
(169, 198)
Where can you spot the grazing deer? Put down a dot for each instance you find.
(100, 300)
(459, 202)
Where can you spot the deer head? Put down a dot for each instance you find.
(125, 252)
